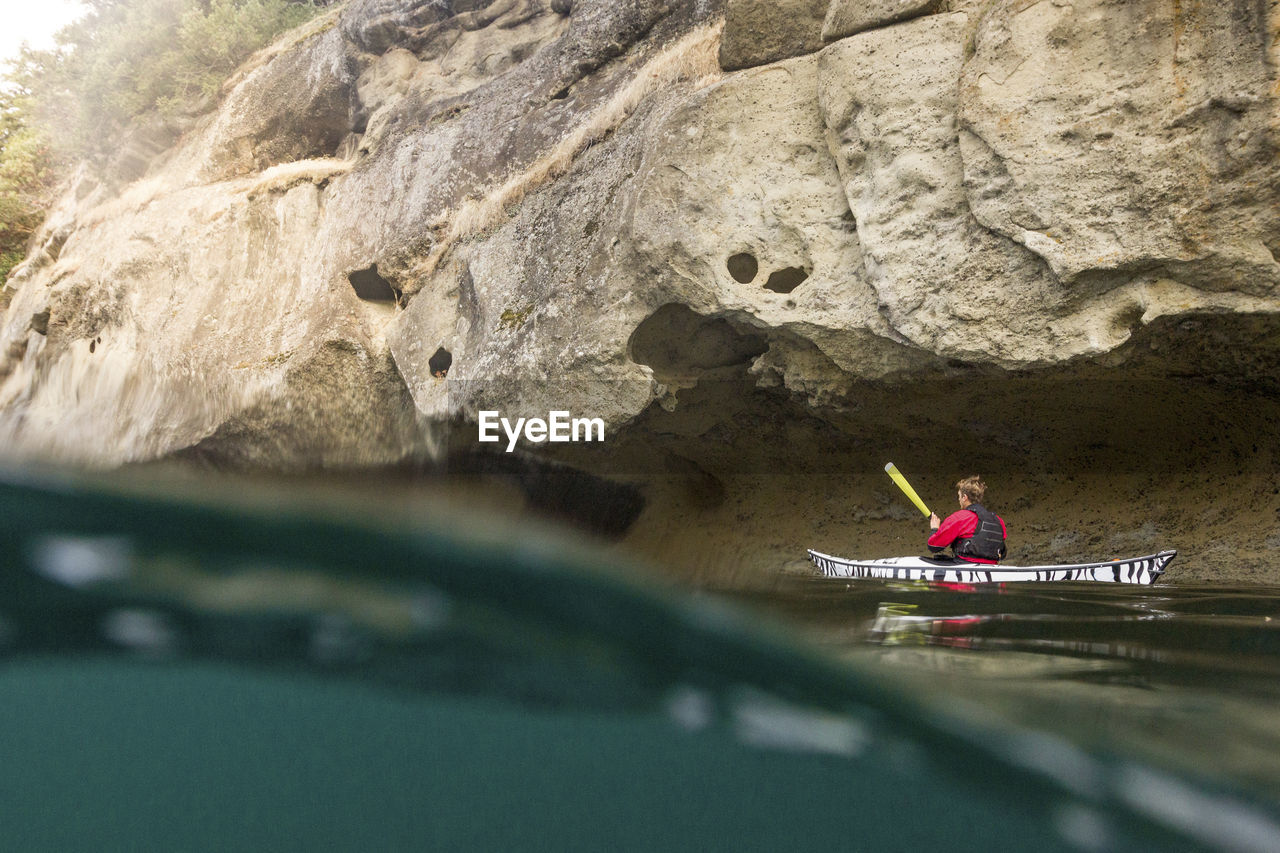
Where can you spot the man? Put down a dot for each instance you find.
(975, 534)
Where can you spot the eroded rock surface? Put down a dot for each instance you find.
(1110, 135)
(889, 97)
(850, 17)
(758, 32)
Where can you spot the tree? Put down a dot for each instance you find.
(124, 59)
(29, 170)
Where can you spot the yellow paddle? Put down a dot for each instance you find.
(906, 487)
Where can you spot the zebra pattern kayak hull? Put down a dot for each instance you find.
(1138, 570)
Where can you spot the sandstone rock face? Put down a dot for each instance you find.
(849, 17)
(741, 174)
(252, 132)
(758, 32)
(208, 300)
(889, 97)
(892, 234)
(1109, 136)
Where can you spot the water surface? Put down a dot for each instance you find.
(1185, 675)
(253, 673)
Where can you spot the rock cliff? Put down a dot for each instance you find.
(771, 245)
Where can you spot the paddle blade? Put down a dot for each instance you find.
(906, 487)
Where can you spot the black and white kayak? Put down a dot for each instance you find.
(1143, 570)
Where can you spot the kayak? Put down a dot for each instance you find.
(1142, 570)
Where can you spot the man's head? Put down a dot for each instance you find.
(970, 490)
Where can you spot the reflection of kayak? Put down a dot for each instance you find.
(1133, 570)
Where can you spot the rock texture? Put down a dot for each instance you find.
(850, 17)
(890, 100)
(768, 243)
(1144, 139)
(758, 32)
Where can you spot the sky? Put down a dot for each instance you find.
(33, 21)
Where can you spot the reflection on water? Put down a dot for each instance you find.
(1186, 675)
(220, 676)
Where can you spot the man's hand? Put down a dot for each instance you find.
(934, 521)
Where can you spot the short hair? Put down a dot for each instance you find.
(973, 487)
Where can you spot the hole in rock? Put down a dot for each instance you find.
(676, 341)
(786, 280)
(372, 287)
(440, 363)
(1127, 319)
(743, 267)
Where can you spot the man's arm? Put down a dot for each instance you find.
(953, 527)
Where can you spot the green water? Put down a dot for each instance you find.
(1185, 675)
(250, 674)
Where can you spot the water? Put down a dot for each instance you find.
(1188, 676)
(248, 672)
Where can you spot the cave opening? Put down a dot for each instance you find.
(675, 341)
(370, 286)
(440, 362)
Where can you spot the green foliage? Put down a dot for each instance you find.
(28, 174)
(122, 60)
(130, 57)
